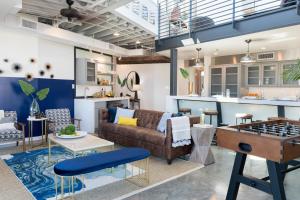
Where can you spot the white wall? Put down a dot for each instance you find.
(155, 84)
(20, 46)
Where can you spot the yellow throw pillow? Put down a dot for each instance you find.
(127, 121)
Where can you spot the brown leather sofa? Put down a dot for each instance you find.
(144, 135)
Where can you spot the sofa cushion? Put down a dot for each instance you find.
(109, 127)
(121, 112)
(8, 135)
(4, 120)
(147, 118)
(141, 134)
(127, 121)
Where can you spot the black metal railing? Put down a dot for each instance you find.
(176, 17)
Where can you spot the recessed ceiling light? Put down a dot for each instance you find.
(263, 48)
(138, 42)
(116, 34)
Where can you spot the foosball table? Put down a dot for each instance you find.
(277, 141)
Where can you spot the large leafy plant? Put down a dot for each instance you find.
(184, 73)
(28, 89)
(293, 73)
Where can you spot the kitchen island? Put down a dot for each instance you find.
(228, 107)
(87, 110)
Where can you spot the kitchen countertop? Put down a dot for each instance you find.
(239, 100)
(95, 100)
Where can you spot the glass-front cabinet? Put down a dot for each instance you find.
(225, 79)
(269, 72)
(236, 77)
(252, 75)
(216, 81)
(231, 81)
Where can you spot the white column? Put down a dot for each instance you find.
(207, 64)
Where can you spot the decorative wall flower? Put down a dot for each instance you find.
(42, 72)
(29, 77)
(1, 71)
(17, 67)
(48, 66)
(5, 60)
(52, 76)
(32, 60)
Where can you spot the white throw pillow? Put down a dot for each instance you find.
(1, 114)
(7, 126)
(121, 112)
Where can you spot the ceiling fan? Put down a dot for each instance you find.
(71, 13)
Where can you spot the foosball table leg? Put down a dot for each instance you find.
(283, 168)
(276, 180)
(238, 168)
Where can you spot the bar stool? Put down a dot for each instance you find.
(210, 113)
(244, 117)
(185, 110)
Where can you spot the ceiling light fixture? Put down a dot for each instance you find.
(199, 63)
(138, 42)
(116, 34)
(247, 58)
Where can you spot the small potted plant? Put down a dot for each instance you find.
(29, 90)
(122, 83)
(185, 74)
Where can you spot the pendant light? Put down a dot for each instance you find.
(248, 58)
(199, 63)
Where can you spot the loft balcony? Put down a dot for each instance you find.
(209, 20)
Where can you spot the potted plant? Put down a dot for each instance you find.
(293, 73)
(122, 83)
(42, 94)
(185, 74)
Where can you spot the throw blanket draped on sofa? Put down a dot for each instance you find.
(181, 131)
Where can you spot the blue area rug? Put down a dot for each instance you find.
(37, 175)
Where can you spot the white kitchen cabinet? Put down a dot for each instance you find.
(86, 72)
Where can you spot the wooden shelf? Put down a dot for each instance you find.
(106, 74)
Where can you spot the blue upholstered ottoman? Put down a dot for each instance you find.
(99, 161)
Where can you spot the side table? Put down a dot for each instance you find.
(202, 135)
(31, 121)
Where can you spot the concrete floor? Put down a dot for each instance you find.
(211, 182)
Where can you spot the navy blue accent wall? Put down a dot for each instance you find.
(12, 98)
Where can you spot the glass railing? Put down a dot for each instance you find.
(177, 17)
